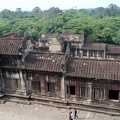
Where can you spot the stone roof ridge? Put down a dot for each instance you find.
(10, 38)
(39, 52)
(11, 34)
(44, 35)
(66, 32)
(95, 59)
(47, 37)
(91, 42)
(116, 46)
(71, 34)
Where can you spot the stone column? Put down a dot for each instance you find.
(81, 51)
(42, 87)
(106, 94)
(88, 53)
(1, 78)
(119, 97)
(27, 81)
(104, 54)
(23, 83)
(63, 90)
(97, 54)
(75, 52)
(90, 91)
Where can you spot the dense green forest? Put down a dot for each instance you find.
(98, 25)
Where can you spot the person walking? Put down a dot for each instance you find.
(70, 116)
(75, 113)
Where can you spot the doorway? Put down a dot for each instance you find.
(113, 94)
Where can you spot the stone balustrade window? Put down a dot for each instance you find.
(84, 92)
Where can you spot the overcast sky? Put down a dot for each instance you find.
(28, 5)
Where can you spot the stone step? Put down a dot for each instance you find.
(79, 107)
(112, 113)
(95, 107)
(19, 101)
(3, 101)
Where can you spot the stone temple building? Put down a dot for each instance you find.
(63, 69)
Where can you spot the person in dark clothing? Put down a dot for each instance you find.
(76, 113)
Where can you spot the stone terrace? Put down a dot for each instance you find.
(14, 111)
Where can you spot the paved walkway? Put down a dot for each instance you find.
(14, 111)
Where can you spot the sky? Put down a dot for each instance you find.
(28, 5)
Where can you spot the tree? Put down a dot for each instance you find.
(84, 11)
(18, 9)
(117, 38)
(113, 9)
(78, 23)
(36, 10)
(99, 12)
(5, 13)
(52, 12)
(18, 13)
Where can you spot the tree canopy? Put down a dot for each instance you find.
(98, 25)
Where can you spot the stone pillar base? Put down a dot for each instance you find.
(88, 101)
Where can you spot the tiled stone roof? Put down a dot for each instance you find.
(113, 49)
(94, 46)
(10, 45)
(98, 69)
(51, 62)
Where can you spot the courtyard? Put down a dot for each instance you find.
(15, 111)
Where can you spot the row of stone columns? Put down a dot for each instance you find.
(24, 86)
(64, 90)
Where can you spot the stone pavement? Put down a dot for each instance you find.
(14, 111)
